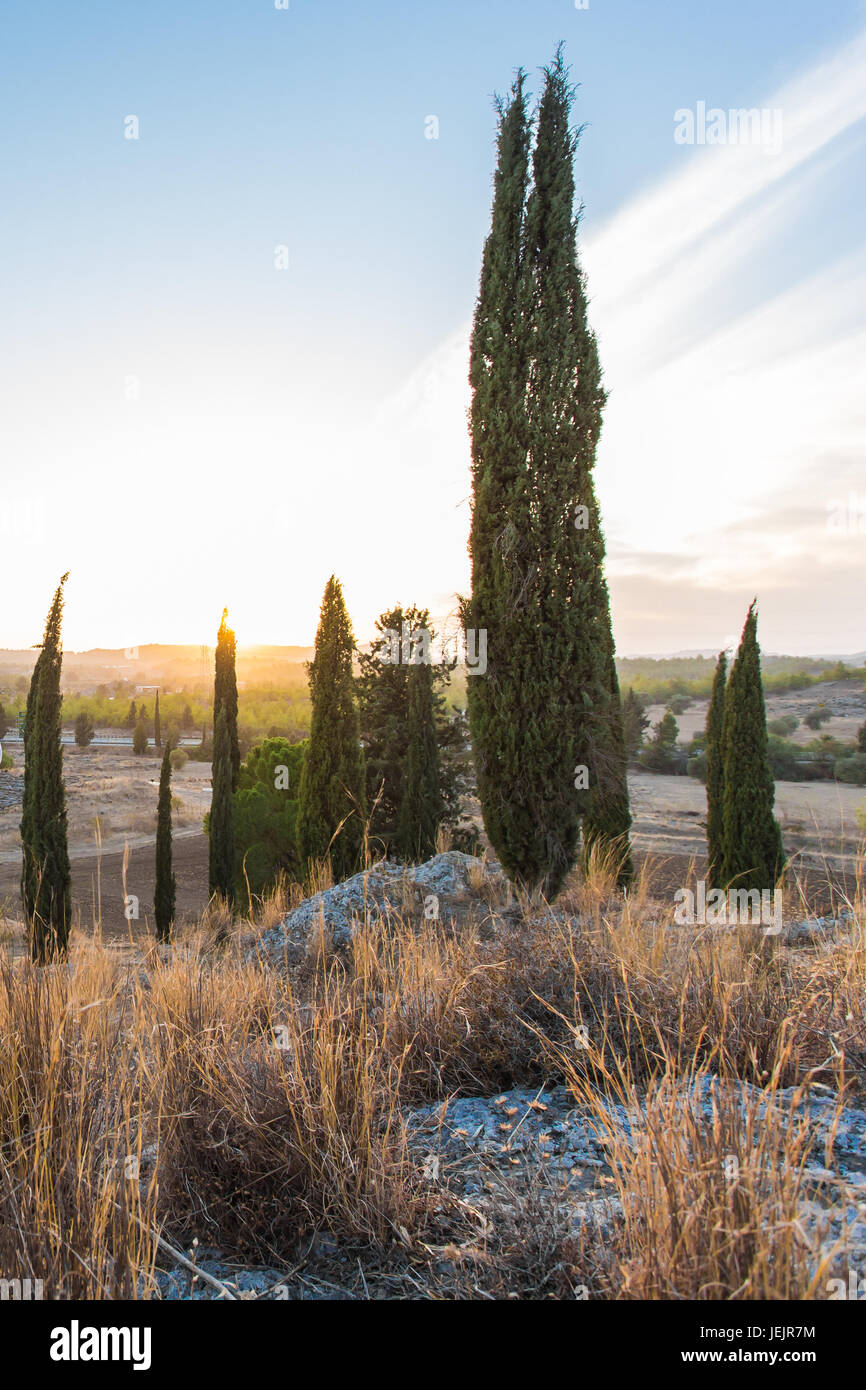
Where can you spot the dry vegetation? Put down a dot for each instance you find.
(199, 1094)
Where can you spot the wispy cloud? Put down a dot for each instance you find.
(737, 414)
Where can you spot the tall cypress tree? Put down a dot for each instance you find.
(715, 773)
(45, 876)
(157, 732)
(332, 803)
(225, 692)
(752, 853)
(165, 890)
(422, 809)
(541, 720)
(221, 827)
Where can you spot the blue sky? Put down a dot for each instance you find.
(184, 425)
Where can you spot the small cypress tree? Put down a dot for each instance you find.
(715, 773)
(45, 875)
(157, 732)
(131, 715)
(634, 723)
(139, 738)
(607, 823)
(166, 886)
(422, 809)
(332, 802)
(752, 853)
(221, 828)
(225, 691)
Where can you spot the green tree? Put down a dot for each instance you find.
(4, 722)
(607, 822)
(544, 709)
(403, 636)
(221, 830)
(332, 806)
(658, 755)
(157, 732)
(752, 854)
(861, 738)
(139, 738)
(266, 813)
(132, 715)
(165, 891)
(422, 809)
(84, 730)
(225, 692)
(634, 722)
(715, 773)
(45, 876)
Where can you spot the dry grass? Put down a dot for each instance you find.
(199, 1094)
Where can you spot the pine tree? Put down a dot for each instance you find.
(544, 730)
(226, 692)
(752, 853)
(221, 828)
(713, 748)
(634, 723)
(165, 891)
(157, 732)
(383, 687)
(422, 809)
(45, 876)
(332, 803)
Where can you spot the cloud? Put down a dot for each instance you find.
(737, 414)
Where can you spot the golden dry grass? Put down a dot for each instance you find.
(198, 1093)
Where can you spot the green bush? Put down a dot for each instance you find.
(852, 769)
(6, 762)
(817, 716)
(265, 814)
(784, 725)
(178, 757)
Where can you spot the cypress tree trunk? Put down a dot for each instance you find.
(157, 733)
(225, 692)
(422, 809)
(164, 893)
(45, 876)
(541, 718)
(715, 773)
(221, 826)
(752, 853)
(332, 803)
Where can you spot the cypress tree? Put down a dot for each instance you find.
(45, 876)
(221, 829)
(165, 890)
(422, 809)
(713, 747)
(607, 823)
(157, 733)
(547, 742)
(332, 803)
(752, 853)
(226, 692)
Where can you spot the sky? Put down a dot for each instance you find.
(234, 349)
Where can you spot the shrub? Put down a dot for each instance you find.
(784, 725)
(84, 730)
(178, 759)
(851, 769)
(818, 716)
